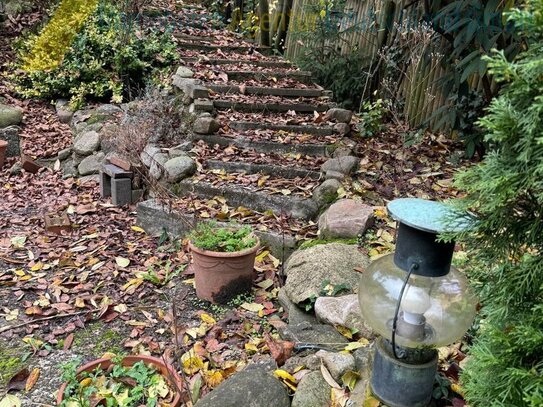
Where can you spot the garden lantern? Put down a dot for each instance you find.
(416, 301)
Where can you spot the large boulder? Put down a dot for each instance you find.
(206, 125)
(326, 193)
(339, 115)
(312, 391)
(91, 164)
(86, 143)
(344, 310)
(254, 386)
(10, 116)
(346, 218)
(313, 335)
(179, 167)
(156, 170)
(334, 262)
(345, 164)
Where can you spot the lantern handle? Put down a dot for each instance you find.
(413, 267)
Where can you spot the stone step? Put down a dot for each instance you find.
(225, 48)
(217, 61)
(267, 146)
(208, 39)
(270, 107)
(268, 169)
(316, 130)
(155, 217)
(238, 195)
(264, 90)
(305, 77)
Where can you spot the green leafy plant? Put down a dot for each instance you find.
(210, 236)
(372, 116)
(138, 385)
(327, 290)
(505, 195)
(162, 274)
(107, 58)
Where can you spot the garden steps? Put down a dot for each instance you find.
(252, 198)
(265, 146)
(291, 128)
(225, 48)
(256, 62)
(270, 107)
(268, 91)
(304, 77)
(266, 169)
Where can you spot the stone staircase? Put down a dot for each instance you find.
(269, 150)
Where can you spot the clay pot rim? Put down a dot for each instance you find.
(239, 253)
(173, 376)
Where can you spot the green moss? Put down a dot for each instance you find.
(314, 242)
(98, 339)
(10, 361)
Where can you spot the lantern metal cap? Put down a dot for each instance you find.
(427, 216)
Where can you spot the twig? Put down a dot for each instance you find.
(9, 328)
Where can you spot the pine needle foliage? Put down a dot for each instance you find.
(505, 193)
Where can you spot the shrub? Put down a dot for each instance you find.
(108, 58)
(209, 236)
(505, 192)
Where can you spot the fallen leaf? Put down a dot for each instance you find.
(18, 381)
(10, 400)
(34, 376)
(253, 307)
(122, 262)
(328, 377)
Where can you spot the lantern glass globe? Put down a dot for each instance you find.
(444, 306)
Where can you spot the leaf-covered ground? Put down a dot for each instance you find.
(104, 286)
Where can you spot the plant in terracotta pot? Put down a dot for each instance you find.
(3, 148)
(223, 260)
(129, 381)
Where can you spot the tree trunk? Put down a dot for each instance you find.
(276, 19)
(264, 19)
(283, 26)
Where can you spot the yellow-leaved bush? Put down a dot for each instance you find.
(55, 40)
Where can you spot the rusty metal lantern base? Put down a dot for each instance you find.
(406, 382)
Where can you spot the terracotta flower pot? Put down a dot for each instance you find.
(3, 148)
(220, 276)
(167, 371)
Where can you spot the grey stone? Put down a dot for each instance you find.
(326, 192)
(90, 178)
(184, 72)
(252, 387)
(10, 115)
(86, 143)
(346, 218)
(312, 391)
(296, 315)
(337, 363)
(334, 175)
(148, 153)
(342, 129)
(179, 167)
(91, 164)
(11, 135)
(363, 358)
(335, 262)
(156, 170)
(314, 336)
(137, 195)
(206, 125)
(363, 362)
(344, 311)
(64, 154)
(16, 168)
(64, 113)
(342, 151)
(69, 169)
(311, 362)
(346, 164)
(108, 109)
(339, 115)
(77, 158)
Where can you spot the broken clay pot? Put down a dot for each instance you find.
(3, 148)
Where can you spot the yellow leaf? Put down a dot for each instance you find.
(19, 272)
(346, 332)
(283, 374)
(85, 382)
(457, 389)
(349, 379)
(32, 379)
(192, 363)
(80, 302)
(260, 258)
(122, 262)
(10, 400)
(214, 378)
(361, 343)
(253, 307)
(137, 229)
(208, 319)
(251, 347)
(37, 267)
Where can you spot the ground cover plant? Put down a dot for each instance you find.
(102, 57)
(210, 236)
(506, 194)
